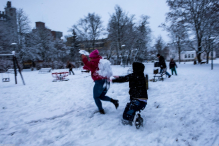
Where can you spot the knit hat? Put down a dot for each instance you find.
(94, 54)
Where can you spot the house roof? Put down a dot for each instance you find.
(187, 52)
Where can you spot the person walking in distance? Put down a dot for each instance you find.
(163, 67)
(70, 66)
(173, 66)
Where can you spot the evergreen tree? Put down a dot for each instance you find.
(74, 56)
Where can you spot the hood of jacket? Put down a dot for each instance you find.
(138, 67)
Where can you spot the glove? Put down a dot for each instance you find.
(83, 56)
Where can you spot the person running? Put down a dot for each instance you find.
(101, 85)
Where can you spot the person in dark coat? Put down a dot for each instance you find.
(137, 91)
(163, 66)
(173, 66)
(70, 66)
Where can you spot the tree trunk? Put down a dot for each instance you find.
(179, 50)
(199, 50)
(207, 57)
(179, 56)
(199, 57)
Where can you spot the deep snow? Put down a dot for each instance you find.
(181, 110)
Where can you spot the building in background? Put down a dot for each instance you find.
(8, 22)
(41, 26)
(187, 54)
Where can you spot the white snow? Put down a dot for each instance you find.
(181, 110)
(105, 69)
(84, 52)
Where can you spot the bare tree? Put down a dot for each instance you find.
(23, 26)
(195, 15)
(159, 45)
(117, 27)
(43, 42)
(89, 29)
(74, 56)
(143, 38)
(178, 34)
(211, 33)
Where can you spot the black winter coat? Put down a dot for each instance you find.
(172, 64)
(137, 83)
(162, 62)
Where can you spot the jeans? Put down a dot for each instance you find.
(163, 69)
(131, 108)
(99, 92)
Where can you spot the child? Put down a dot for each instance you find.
(99, 90)
(173, 66)
(137, 91)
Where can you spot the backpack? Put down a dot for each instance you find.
(105, 69)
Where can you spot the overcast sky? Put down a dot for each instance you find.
(60, 15)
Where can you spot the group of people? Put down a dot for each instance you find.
(137, 87)
(163, 67)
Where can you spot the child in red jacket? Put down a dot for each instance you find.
(99, 90)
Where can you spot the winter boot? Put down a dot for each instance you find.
(115, 102)
(126, 122)
(102, 111)
(139, 121)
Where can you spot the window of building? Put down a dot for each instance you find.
(188, 55)
(185, 55)
(192, 55)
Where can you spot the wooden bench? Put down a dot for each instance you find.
(45, 70)
(11, 70)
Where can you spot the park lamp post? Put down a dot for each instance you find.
(212, 49)
(122, 46)
(14, 61)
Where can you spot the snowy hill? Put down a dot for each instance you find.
(181, 110)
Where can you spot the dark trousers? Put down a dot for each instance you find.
(173, 70)
(99, 92)
(131, 108)
(70, 70)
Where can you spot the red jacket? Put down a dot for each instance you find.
(93, 67)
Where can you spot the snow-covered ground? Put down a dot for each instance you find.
(181, 110)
